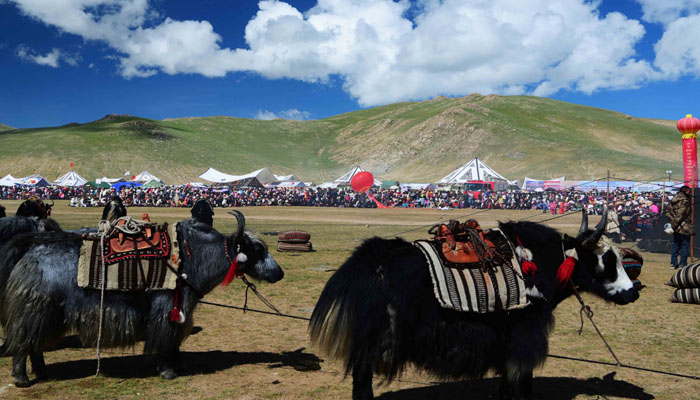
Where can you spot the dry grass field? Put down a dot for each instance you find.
(232, 355)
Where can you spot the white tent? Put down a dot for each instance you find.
(417, 186)
(109, 180)
(345, 179)
(264, 176)
(288, 178)
(71, 178)
(327, 185)
(146, 176)
(474, 170)
(8, 180)
(34, 180)
(286, 184)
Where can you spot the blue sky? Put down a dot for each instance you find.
(65, 61)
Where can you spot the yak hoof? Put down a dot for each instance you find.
(22, 382)
(168, 374)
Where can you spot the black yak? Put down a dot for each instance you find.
(42, 301)
(378, 312)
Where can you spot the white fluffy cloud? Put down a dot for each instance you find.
(450, 47)
(667, 11)
(292, 114)
(51, 59)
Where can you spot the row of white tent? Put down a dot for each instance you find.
(473, 170)
(72, 179)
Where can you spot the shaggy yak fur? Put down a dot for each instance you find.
(378, 312)
(42, 301)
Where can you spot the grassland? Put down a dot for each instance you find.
(252, 356)
(4, 127)
(413, 141)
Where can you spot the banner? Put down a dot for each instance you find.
(690, 162)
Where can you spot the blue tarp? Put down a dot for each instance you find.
(120, 185)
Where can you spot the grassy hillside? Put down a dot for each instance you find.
(4, 127)
(420, 141)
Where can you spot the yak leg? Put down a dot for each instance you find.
(19, 370)
(516, 382)
(38, 365)
(166, 364)
(362, 383)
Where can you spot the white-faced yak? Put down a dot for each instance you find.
(42, 300)
(378, 312)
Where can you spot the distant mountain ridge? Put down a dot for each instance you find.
(412, 141)
(4, 127)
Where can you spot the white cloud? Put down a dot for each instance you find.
(266, 115)
(51, 59)
(667, 11)
(678, 51)
(451, 47)
(291, 114)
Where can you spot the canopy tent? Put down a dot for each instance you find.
(145, 177)
(71, 178)
(97, 185)
(418, 186)
(109, 180)
(327, 185)
(34, 180)
(153, 184)
(390, 184)
(286, 184)
(288, 178)
(345, 179)
(247, 183)
(474, 170)
(9, 180)
(195, 184)
(263, 176)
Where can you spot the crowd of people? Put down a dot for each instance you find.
(626, 203)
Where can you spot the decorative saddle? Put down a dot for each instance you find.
(133, 259)
(473, 270)
(464, 245)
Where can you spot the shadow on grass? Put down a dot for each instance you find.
(545, 388)
(195, 363)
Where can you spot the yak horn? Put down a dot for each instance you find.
(241, 224)
(584, 223)
(592, 240)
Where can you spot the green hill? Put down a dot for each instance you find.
(414, 141)
(4, 127)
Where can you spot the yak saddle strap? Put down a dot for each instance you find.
(464, 245)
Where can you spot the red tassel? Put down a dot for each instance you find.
(529, 267)
(232, 272)
(175, 312)
(566, 269)
(175, 315)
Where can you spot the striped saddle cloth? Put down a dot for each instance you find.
(496, 288)
(132, 263)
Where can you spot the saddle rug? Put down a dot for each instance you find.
(473, 289)
(130, 269)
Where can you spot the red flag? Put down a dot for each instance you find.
(71, 165)
(133, 177)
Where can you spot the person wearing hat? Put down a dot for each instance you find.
(680, 215)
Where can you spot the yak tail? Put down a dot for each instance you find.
(351, 314)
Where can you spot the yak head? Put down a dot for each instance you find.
(252, 253)
(600, 267)
(34, 207)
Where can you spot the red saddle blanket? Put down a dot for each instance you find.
(132, 262)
